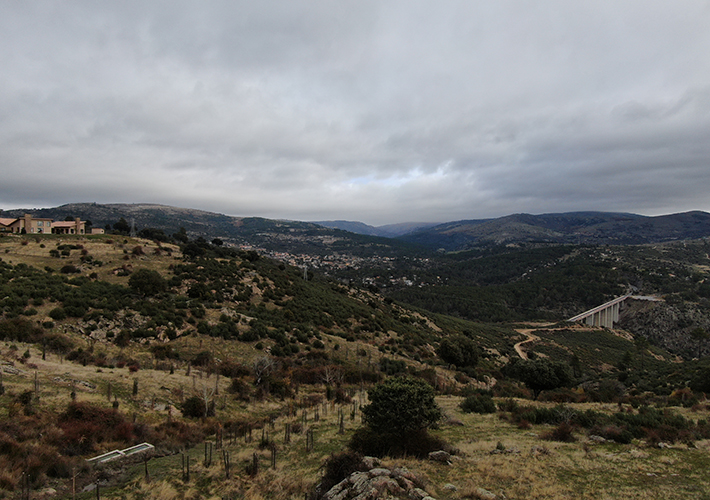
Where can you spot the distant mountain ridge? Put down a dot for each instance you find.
(387, 231)
(607, 228)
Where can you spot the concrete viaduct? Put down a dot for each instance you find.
(604, 315)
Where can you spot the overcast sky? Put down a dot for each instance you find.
(379, 111)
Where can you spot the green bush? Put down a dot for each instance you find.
(563, 433)
(401, 405)
(147, 282)
(478, 403)
(194, 407)
(20, 329)
(418, 444)
(459, 351)
(392, 366)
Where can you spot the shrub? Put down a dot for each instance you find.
(164, 351)
(478, 403)
(419, 444)
(84, 425)
(175, 435)
(69, 269)
(58, 343)
(147, 282)
(459, 350)
(401, 405)
(240, 389)
(509, 404)
(202, 358)
(612, 433)
(19, 329)
(401, 410)
(392, 366)
(194, 407)
(561, 433)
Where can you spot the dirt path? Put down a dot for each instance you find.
(530, 338)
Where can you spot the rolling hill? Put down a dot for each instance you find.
(606, 228)
(576, 227)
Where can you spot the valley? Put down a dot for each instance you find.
(226, 354)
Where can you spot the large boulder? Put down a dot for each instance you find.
(377, 483)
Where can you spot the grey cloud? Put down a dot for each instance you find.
(376, 111)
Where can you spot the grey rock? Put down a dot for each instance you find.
(440, 456)
(379, 472)
(418, 494)
(484, 494)
(371, 462)
(378, 483)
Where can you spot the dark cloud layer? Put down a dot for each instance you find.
(380, 111)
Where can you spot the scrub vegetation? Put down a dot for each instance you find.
(260, 378)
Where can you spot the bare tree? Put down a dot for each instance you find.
(262, 368)
(207, 394)
(332, 375)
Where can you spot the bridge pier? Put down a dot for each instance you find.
(604, 315)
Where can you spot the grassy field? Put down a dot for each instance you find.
(524, 467)
(528, 468)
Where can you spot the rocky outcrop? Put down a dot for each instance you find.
(667, 325)
(395, 484)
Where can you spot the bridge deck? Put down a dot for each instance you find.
(597, 309)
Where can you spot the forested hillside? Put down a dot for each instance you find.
(598, 228)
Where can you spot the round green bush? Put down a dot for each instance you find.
(478, 403)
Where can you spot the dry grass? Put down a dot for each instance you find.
(113, 251)
(531, 468)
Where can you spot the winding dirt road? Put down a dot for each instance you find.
(530, 338)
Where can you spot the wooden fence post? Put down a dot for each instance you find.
(225, 461)
(309, 440)
(185, 467)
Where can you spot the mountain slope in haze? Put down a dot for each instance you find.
(351, 226)
(387, 231)
(360, 239)
(574, 227)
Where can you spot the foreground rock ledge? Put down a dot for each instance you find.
(379, 483)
